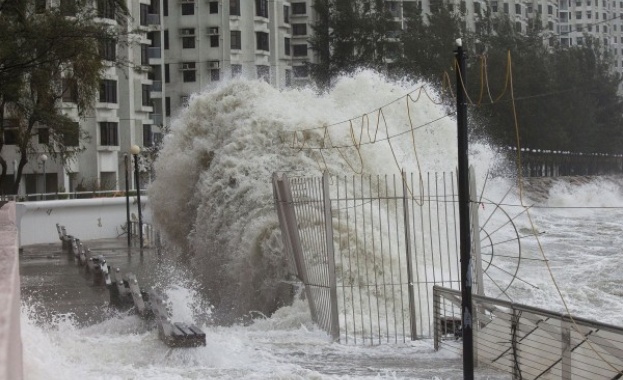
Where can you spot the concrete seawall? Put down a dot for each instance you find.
(88, 219)
(11, 365)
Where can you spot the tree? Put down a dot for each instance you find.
(565, 97)
(349, 34)
(47, 57)
(428, 41)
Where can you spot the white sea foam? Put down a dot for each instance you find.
(213, 197)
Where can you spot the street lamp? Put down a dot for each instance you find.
(135, 150)
(127, 198)
(43, 159)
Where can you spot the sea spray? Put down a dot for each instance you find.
(212, 195)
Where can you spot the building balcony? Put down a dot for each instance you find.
(153, 19)
(156, 118)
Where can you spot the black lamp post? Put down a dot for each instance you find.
(135, 150)
(127, 199)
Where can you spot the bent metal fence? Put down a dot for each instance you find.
(529, 342)
(369, 250)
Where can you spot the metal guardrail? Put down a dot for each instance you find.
(529, 342)
(369, 250)
(69, 195)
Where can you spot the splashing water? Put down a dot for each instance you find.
(213, 195)
(213, 198)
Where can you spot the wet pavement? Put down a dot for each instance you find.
(54, 282)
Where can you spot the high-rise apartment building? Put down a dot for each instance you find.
(184, 46)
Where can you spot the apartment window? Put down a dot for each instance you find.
(288, 78)
(105, 9)
(505, 7)
(167, 77)
(43, 135)
(578, 15)
(578, 3)
(108, 49)
(263, 72)
(286, 46)
(589, 14)
(166, 39)
(165, 7)
(579, 41)
(262, 41)
(184, 100)
(494, 6)
(188, 38)
(596, 15)
(147, 136)
(188, 9)
(71, 135)
(109, 135)
(10, 136)
(108, 91)
(70, 90)
(236, 40)
(578, 28)
(144, 55)
(189, 73)
(540, 9)
(146, 99)
(518, 9)
(236, 70)
(550, 10)
(144, 11)
(550, 26)
(299, 50)
(530, 9)
(299, 29)
(518, 26)
(476, 8)
(214, 41)
(234, 7)
(300, 71)
(299, 8)
(589, 27)
(588, 3)
(215, 75)
(463, 6)
(261, 8)
(286, 14)
(213, 7)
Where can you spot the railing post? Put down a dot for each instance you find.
(565, 331)
(436, 320)
(407, 226)
(477, 259)
(328, 223)
(290, 229)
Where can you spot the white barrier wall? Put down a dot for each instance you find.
(87, 219)
(11, 365)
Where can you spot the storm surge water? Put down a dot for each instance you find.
(213, 196)
(213, 200)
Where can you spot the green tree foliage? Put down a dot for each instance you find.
(565, 98)
(429, 40)
(350, 34)
(46, 56)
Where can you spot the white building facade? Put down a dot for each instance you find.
(184, 46)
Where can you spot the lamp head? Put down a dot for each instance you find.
(135, 149)
(43, 157)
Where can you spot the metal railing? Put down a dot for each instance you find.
(369, 250)
(151, 236)
(69, 195)
(529, 342)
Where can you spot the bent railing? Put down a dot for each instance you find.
(529, 342)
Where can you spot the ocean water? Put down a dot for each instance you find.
(212, 198)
